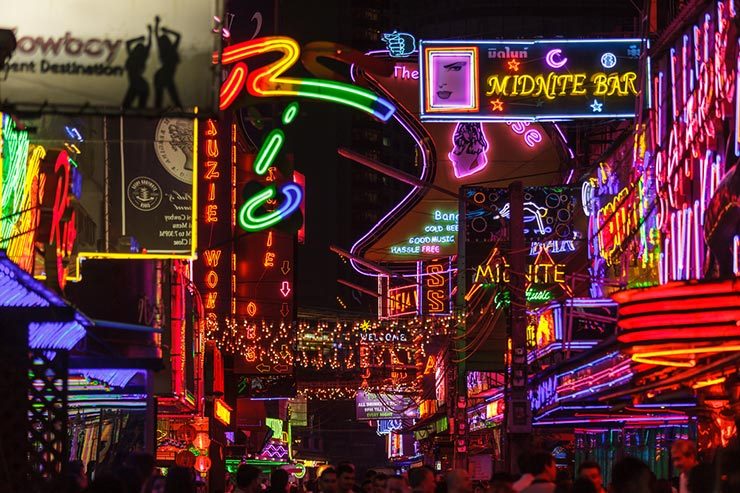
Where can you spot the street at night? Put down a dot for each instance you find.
(369, 246)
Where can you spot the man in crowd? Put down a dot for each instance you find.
(683, 453)
(630, 475)
(592, 471)
(247, 479)
(398, 484)
(542, 467)
(328, 480)
(421, 480)
(346, 477)
(380, 483)
(458, 481)
(526, 477)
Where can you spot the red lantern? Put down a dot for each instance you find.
(186, 433)
(202, 464)
(201, 441)
(185, 458)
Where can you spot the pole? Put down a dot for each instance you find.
(518, 419)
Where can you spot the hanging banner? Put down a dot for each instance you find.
(529, 80)
(152, 176)
(128, 57)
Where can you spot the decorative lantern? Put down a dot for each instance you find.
(202, 464)
(185, 458)
(201, 441)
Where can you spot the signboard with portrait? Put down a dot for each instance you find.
(529, 80)
(127, 57)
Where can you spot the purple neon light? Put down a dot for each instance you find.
(466, 147)
(54, 335)
(398, 206)
(550, 58)
(115, 377)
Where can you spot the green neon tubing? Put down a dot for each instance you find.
(290, 113)
(267, 153)
(247, 220)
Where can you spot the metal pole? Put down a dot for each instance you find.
(519, 419)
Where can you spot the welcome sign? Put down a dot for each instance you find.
(543, 80)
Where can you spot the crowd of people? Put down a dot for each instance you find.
(539, 474)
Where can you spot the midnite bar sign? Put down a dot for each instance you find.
(529, 80)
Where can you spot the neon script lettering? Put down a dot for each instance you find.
(269, 81)
(553, 85)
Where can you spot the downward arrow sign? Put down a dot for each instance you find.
(285, 289)
(285, 267)
(284, 310)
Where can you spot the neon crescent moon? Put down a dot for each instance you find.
(551, 60)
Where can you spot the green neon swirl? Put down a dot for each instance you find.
(247, 219)
(267, 153)
(290, 113)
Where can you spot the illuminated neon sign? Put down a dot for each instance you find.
(403, 301)
(440, 232)
(221, 411)
(270, 81)
(528, 80)
(434, 277)
(399, 45)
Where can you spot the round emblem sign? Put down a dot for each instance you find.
(173, 143)
(144, 193)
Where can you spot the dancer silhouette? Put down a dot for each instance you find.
(168, 42)
(138, 54)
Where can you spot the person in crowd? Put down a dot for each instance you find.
(367, 486)
(563, 481)
(542, 467)
(279, 481)
(180, 480)
(155, 484)
(91, 471)
(247, 479)
(526, 474)
(663, 486)
(421, 480)
(592, 470)
(501, 482)
(458, 481)
(630, 475)
(76, 469)
(380, 483)
(106, 482)
(702, 479)
(345, 477)
(328, 480)
(370, 474)
(683, 454)
(398, 484)
(583, 485)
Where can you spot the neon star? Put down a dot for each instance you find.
(596, 106)
(497, 105)
(514, 65)
(365, 325)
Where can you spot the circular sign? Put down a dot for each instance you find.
(144, 193)
(173, 144)
(608, 60)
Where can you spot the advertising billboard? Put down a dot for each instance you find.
(372, 406)
(546, 80)
(132, 56)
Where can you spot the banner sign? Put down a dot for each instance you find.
(382, 406)
(435, 280)
(152, 186)
(529, 80)
(133, 56)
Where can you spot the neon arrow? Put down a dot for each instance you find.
(281, 369)
(285, 268)
(284, 310)
(263, 368)
(285, 289)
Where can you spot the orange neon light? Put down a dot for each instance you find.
(654, 357)
(708, 383)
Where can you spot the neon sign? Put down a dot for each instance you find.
(211, 214)
(399, 45)
(403, 301)
(221, 411)
(528, 80)
(269, 81)
(441, 232)
(434, 277)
